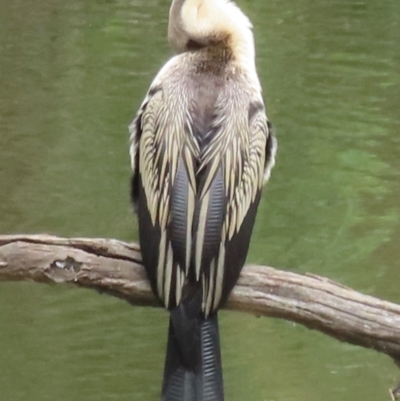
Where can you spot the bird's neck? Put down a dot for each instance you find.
(222, 28)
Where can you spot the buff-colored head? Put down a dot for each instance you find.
(201, 23)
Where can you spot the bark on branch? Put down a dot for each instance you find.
(114, 267)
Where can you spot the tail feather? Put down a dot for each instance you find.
(178, 383)
(193, 369)
(212, 388)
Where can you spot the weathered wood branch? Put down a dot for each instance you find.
(115, 267)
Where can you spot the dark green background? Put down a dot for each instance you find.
(73, 73)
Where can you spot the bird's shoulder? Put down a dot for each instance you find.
(183, 96)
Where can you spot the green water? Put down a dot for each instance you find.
(73, 73)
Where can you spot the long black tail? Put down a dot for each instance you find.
(193, 369)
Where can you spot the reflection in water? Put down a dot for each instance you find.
(73, 74)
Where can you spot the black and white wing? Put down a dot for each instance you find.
(236, 163)
(196, 186)
(163, 154)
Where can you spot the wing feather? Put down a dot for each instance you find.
(197, 198)
(239, 146)
(163, 157)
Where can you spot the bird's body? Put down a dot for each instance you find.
(201, 149)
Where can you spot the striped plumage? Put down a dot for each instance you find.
(201, 149)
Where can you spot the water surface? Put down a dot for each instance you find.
(72, 76)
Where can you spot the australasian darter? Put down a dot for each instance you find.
(201, 149)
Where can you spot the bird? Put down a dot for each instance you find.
(201, 148)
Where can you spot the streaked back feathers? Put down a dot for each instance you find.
(199, 148)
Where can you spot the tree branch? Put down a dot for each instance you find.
(115, 267)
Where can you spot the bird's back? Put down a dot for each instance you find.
(201, 161)
(201, 149)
